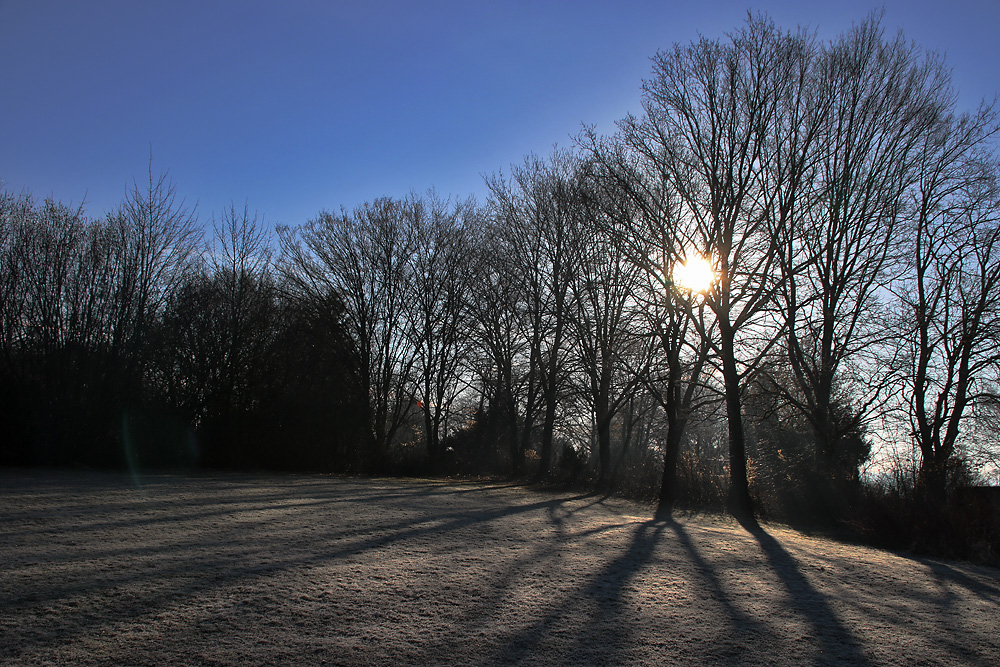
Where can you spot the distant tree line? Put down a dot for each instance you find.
(849, 211)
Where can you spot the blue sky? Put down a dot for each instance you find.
(299, 106)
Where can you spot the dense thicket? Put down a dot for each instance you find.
(849, 214)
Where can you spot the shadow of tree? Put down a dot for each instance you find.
(175, 576)
(742, 626)
(604, 607)
(836, 641)
(987, 591)
(567, 577)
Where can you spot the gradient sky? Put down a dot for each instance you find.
(299, 106)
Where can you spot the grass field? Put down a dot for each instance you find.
(99, 568)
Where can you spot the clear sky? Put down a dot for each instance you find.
(298, 106)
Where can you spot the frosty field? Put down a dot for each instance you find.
(101, 569)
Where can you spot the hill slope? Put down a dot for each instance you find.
(239, 569)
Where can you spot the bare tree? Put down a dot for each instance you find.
(609, 349)
(642, 219)
(365, 258)
(537, 210)
(441, 261)
(245, 308)
(873, 101)
(713, 114)
(52, 309)
(241, 266)
(70, 331)
(159, 240)
(951, 295)
(499, 329)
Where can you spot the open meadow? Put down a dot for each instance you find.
(101, 569)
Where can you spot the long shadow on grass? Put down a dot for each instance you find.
(346, 541)
(946, 573)
(960, 640)
(743, 628)
(604, 620)
(221, 503)
(602, 600)
(489, 611)
(169, 583)
(835, 640)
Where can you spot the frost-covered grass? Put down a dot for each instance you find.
(239, 569)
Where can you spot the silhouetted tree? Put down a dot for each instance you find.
(951, 294)
(365, 258)
(874, 102)
(644, 223)
(537, 209)
(159, 240)
(713, 113)
(441, 262)
(499, 332)
(609, 350)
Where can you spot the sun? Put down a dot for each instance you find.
(695, 274)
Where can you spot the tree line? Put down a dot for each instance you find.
(129, 341)
(849, 211)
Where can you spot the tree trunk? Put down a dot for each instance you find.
(932, 481)
(604, 448)
(668, 483)
(739, 501)
(548, 429)
(513, 435)
(431, 436)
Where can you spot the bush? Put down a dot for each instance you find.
(892, 514)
